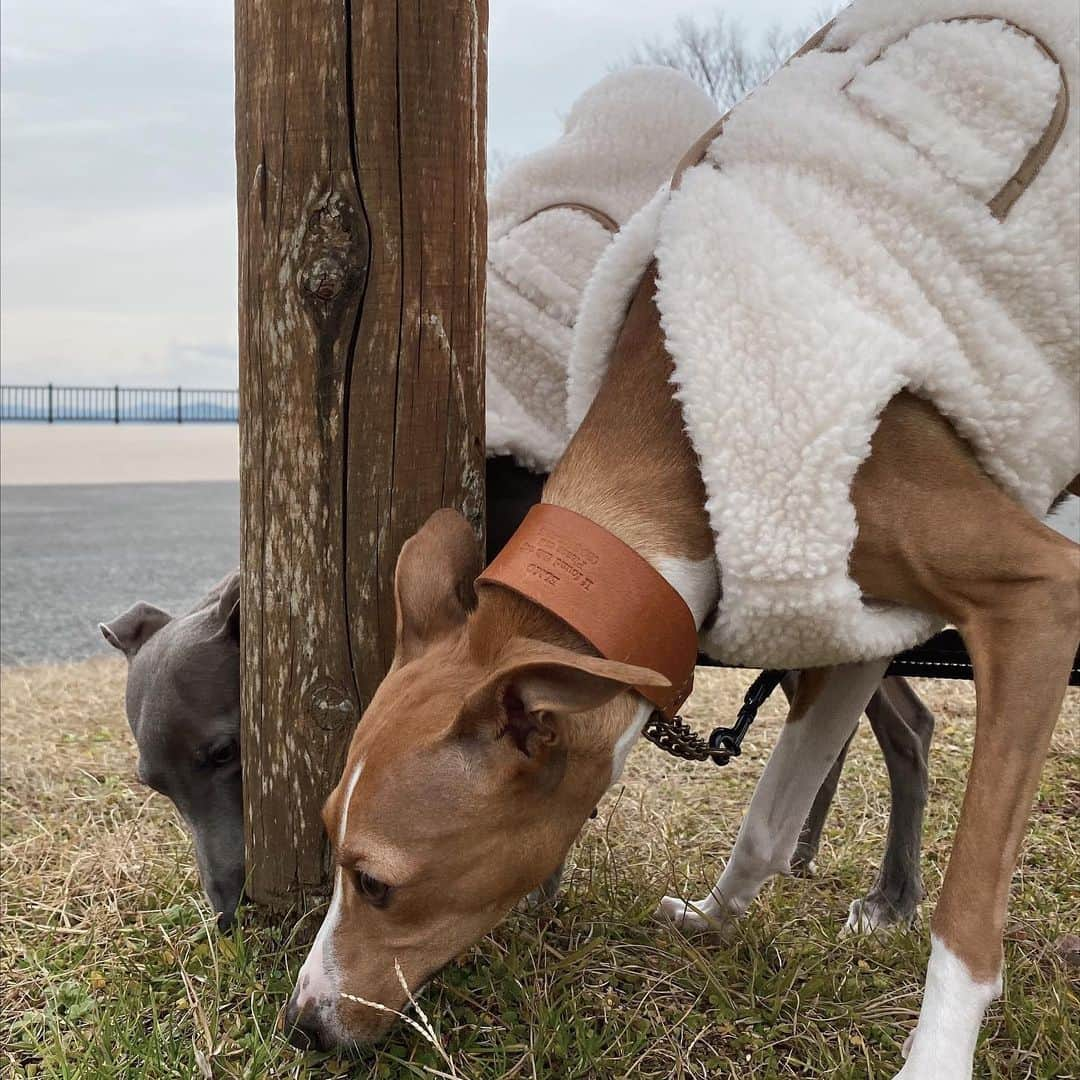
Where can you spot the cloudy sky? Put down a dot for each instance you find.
(118, 259)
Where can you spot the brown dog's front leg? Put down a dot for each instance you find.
(1021, 662)
(936, 533)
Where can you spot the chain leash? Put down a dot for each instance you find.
(676, 737)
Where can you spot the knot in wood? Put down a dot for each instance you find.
(325, 277)
(331, 706)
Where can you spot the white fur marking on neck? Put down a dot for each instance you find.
(696, 582)
(952, 1011)
(627, 739)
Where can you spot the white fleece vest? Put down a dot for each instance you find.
(844, 239)
(622, 139)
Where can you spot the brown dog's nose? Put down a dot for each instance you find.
(302, 1027)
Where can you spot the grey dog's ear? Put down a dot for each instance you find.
(228, 607)
(130, 631)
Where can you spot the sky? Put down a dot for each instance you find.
(117, 200)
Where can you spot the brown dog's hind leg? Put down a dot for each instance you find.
(936, 533)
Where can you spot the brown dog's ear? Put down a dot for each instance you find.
(535, 685)
(433, 583)
(131, 631)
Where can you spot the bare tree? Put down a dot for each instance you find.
(720, 58)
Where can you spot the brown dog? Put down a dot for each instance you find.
(498, 728)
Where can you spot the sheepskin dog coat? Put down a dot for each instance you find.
(550, 217)
(897, 208)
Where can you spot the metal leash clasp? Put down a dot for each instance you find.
(725, 743)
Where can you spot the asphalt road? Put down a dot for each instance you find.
(74, 556)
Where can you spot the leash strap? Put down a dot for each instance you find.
(606, 591)
(1011, 190)
(606, 220)
(696, 154)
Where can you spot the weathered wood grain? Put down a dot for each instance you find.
(360, 133)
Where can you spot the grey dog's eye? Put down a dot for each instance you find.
(222, 755)
(375, 892)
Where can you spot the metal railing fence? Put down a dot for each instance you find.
(118, 404)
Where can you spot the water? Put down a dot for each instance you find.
(74, 556)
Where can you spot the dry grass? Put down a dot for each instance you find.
(110, 967)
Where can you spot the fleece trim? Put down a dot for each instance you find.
(807, 272)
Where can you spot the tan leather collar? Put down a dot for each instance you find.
(604, 590)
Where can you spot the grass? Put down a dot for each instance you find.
(111, 967)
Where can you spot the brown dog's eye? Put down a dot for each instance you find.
(375, 892)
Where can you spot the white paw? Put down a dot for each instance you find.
(534, 902)
(913, 1070)
(866, 916)
(541, 901)
(543, 898)
(690, 916)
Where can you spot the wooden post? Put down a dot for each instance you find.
(360, 135)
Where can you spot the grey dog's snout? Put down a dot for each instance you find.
(225, 899)
(226, 915)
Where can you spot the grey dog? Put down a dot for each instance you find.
(183, 705)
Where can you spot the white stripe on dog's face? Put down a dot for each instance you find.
(343, 826)
(320, 977)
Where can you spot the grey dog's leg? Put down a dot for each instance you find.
(802, 861)
(547, 892)
(904, 727)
